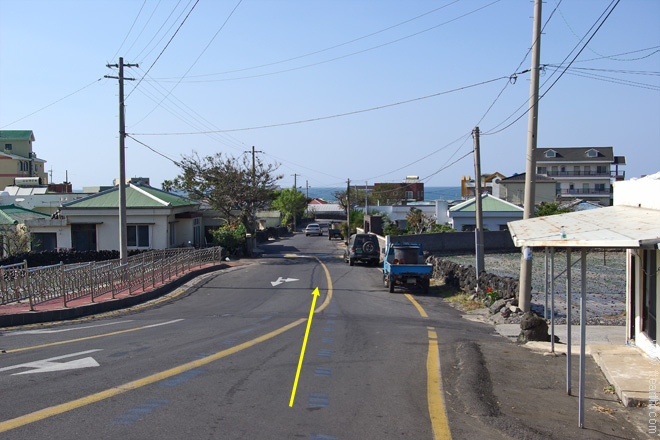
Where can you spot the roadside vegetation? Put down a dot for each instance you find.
(454, 296)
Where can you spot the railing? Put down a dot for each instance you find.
(69, 282)
(604, 174)
(585, 191)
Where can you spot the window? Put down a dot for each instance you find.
(197, 232)
(542, 170)
(600, 187)
(8, 147)
(587, 170)
(172, 235)
(44, 241)
(409, 195)
(576, 170)
(550, 153)
(585, 188)
(137, 236)
(83, 237)
(592, 153)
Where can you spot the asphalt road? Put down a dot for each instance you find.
(219, 359)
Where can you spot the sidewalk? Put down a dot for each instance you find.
(19, 313)
(624, 366)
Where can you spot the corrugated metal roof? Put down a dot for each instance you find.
(609, 227)
(16, 135)
(137, 196)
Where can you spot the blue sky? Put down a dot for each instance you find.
(235, 67)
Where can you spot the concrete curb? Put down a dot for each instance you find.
(65, 314)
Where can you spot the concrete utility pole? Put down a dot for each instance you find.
(123, 247)
(295, 187)
(254, 211)
(525, 292)
(479, 229)
(348, 208)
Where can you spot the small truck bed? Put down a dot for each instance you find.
(404, 265)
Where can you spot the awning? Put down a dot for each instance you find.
(610, 227)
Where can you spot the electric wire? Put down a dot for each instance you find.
(54, 102)
(160, 28)
(164, 48)
(321, 118)
(129, 30)
(144, 27)
(154, 150)
(342, 56)
(563, 62)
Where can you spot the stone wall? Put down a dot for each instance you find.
(464, 278)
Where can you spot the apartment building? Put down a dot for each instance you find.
(581, 172)
(18, 161)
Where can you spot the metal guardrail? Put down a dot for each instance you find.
(68, 282)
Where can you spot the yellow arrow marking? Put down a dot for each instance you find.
(315, 293)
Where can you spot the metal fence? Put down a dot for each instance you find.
(18, 282)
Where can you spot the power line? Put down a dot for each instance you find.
(129, 30)
(328, 117)
(164, 48)
(154, 150)
(54, 102)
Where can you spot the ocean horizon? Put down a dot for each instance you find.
(430, 193)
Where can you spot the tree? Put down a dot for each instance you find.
(388, 194)
(358, 197)
(418, 222)
(290, 203)
(15, 239)
(550, 209)
(227, 183)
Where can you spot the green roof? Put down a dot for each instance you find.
(137, 196)
(12, 214)
(488, 204)
(16, 135)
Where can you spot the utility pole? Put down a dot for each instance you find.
(479, 229)
(295, 187)
(525, 291)
(307, 189)
(123, 248)
(348, 208)
(253, 236)
(366, 198)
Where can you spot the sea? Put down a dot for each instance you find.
(430, 193)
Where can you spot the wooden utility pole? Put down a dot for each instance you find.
(253, 222)
(123, 247)
(525, 291)
(348, 208)
(295, 188)
(479, 228)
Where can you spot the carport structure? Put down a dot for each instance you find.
(633, 228)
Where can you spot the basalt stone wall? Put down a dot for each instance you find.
(464, 278)
(456, 242)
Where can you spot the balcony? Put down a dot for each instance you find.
(585, 192)
(617, 175)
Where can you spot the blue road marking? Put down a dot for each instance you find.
(322, 372)
(330, 322)
(332, 315)
(181, 378)
(324, 353)
(228, 342)
(247, 330)
(322, 437)
(137, 412)
(328, 329)
(318, 400)
(327, 339)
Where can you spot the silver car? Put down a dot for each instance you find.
(313, 229)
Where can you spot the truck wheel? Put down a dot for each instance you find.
(385, 282)
(391, 286)
(425, 286)
(351, 262)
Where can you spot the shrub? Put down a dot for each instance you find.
(230, 237)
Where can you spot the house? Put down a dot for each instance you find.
(398, 214)
(14, 235)
(410, 190)
(44, 199)
(489, 185)
(156, 219)
(496, 214)
(633, 223)
(512, 189)
(584, 172)
(18, 161)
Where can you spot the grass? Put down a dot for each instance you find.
(455, 296)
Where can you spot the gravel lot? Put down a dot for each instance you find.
(606, 282)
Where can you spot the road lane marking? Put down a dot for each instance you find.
(130, 386)
(86, 338)
(434, 391)
(416, 304)
(60, 330)
(48, 365)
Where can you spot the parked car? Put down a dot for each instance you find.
(364, 248)
(313, 229)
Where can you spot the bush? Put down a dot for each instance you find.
(230, 237)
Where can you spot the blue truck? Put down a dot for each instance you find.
(404, 265)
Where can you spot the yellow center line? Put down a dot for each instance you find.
(114, 391)
(437, 413)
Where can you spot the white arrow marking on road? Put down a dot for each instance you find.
(281, 280)
(47, 365)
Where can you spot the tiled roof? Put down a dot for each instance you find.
(16, 135)
(12, 214)
(575, 154)
(137, 196)
(521, 177)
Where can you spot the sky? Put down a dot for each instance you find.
(367, 90)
